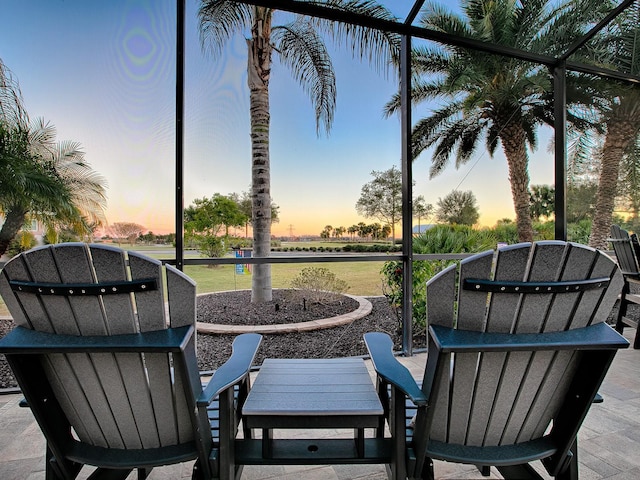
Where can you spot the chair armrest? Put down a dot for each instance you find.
(235, 369)
(390, 369)
(25, 341)
(595, 337)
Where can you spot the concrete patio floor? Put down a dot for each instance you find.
(609, 440)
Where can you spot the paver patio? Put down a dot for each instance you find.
(609, 440)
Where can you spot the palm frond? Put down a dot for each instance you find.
(459, 136)
(422, 90)
(12, 110)
(381, 49)
(428, 130)
(220, 20)
(583, 153)
(530, 20)
(493, 138)
(42, 138)
(302, 50)
(435, 17)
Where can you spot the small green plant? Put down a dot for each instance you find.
(317, 284)
(21, 243)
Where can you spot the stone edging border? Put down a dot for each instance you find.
(363, 310)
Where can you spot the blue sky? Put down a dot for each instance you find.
(103, 73)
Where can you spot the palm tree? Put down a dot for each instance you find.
(502, 100)
(299, 47)
(41, 178)
(421, 209)
(55, 184)
(621, 118)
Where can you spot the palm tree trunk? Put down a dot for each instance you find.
(12, 224)
(259, 68)
(513, 144)
(620, 135)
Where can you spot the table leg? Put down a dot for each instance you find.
(267, 444)
(359, 437)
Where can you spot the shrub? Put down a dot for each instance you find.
(317, 284)
(579, 232)
(440, 239)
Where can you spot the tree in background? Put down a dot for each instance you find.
(628, 193)
(41, 178)
(620, 110)
(542, 199)
(339, 231)
(581, 201)
(421, 209)
(326, 231)
(301, 49)
(381, 198)
(458, 208)
(126, 230)
(244, 203)
(207, 222)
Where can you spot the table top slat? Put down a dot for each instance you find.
(321, 387)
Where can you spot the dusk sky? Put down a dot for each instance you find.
(104, 74)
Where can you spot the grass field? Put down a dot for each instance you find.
(363, 278)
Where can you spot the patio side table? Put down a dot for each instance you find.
(314, 394)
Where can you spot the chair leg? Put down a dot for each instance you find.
(519, 472)
(143, 473)
(427, 470)
(622, 310)
(571, 472)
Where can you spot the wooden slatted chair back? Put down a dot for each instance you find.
(498, 398)
(123, 400)
(627, 251)
(624, 251)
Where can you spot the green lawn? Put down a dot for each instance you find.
(363, 278)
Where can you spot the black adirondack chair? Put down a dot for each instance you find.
(627, 249)
(518, 348)
(110, 373)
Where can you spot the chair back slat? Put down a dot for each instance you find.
(124, 400)
(182, 311)
(442, 313)
(472, 308)
(497, 398)
(182, 297)
(110, 265)
(150, 305)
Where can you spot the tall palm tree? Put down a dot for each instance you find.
(629, 185)
(621, 118)
(501, 100)
(622, 124)
(299, 46)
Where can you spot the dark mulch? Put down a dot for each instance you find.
(236, 307)
(287, 306)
